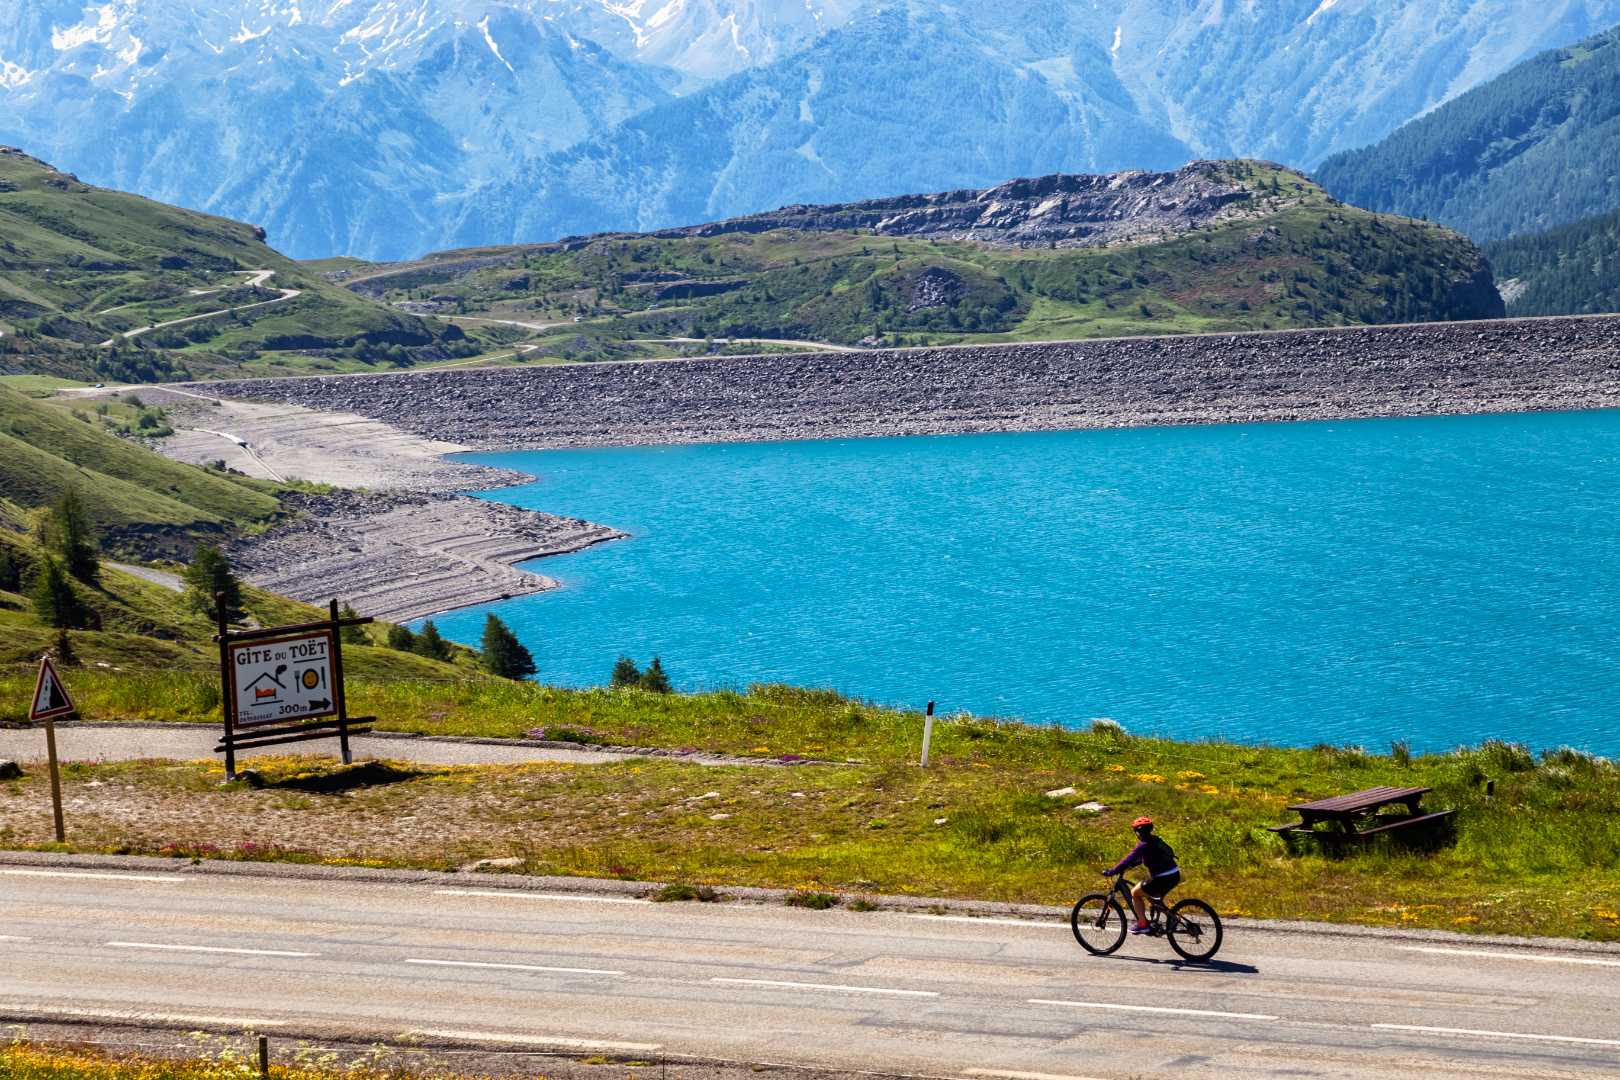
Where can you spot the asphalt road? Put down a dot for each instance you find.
(883, 991)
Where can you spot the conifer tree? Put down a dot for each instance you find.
(654, 679)
(11, 572)
(504, 654)
(401, 639)
(430, 644)
(68, 533)
(210, 574)
(625, 673)
(55, 602)
(351, 635)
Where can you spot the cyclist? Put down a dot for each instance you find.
(1163, 874)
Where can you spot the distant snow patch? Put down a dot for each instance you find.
(1322, 8)
(14, 75)
(98, 33)
(489, 39)
(1119, 38)
(246, 35)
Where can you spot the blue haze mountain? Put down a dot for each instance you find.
(383, 128)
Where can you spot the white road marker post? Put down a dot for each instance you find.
(928, 732)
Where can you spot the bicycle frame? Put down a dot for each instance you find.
(1155, 907)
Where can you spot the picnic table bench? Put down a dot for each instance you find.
(1356, 816)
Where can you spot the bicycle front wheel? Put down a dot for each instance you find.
(1194, 930)
(1098, 924)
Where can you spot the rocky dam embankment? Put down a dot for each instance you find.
(1444, 368)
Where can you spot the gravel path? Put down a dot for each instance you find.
(190, 742)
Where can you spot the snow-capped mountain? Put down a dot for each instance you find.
(385, 127)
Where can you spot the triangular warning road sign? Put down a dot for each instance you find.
(50, 696)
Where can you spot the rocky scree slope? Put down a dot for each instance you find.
(1062, 209)
(1497, 366)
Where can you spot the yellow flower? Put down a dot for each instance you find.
(1150, 778)
(1465, 920)
(760, 750)
(1209, 789)
(1116, 768)
(1189, 774)
(980, 765)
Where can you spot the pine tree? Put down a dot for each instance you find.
(504, 654)
(430, 644)
(654, 679)
(401, 639)
(210, 574)
(625, 673)
(68, 532)
(62, 650)
(55, 602)
(11, 572)
(351, 635)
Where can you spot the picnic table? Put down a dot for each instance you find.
(1356, 816)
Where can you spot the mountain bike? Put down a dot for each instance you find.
(1100, 922)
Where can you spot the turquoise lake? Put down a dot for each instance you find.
(1440, 580)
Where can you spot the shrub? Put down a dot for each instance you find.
(816, 901)
(431, 644)
(209, 576)
(625, 673)
(400, 639)
(351, 635)
(677, 893)
(654, 680)
(1506, 757)
(1401, 751)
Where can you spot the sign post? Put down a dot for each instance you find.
(928, 732)
(283, 684)
(50, 701)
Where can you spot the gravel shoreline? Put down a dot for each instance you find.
(1510, 365)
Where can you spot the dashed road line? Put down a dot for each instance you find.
(827, 986)
(1154, 1009)
(512, 967)
(991, 922)
(167, 879)
(206, 949)
(533, 1040)
(1012, 1074)
(514, 894)
(1493, 954)
(1499, 1034)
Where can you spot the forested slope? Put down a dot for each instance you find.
(1570, 270)
(1536, 147)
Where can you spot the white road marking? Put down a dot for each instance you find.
(1495, 955)
(533, 1040)
(205, 949)
(10, 937)
(169, 879)
(173, 1018)
(828, 986)
(1153, 1009)
(1499, 1034)
(513, 894)
(993, 922)
(513, 967)
(1010, 1074)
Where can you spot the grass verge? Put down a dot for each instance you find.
(993, 818)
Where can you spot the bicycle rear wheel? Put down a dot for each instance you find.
(1194, 930)
(1098, 923)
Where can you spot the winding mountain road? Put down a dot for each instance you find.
(256, 279)
(468, 958)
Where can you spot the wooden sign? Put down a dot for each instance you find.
(284, 684)
(287, 678)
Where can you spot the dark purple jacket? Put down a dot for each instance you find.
(1152, 853)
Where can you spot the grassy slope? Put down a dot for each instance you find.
(69, 253)
(1300, 260)
(1540, 857)
(45, 447)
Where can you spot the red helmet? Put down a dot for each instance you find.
(1142, 821)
